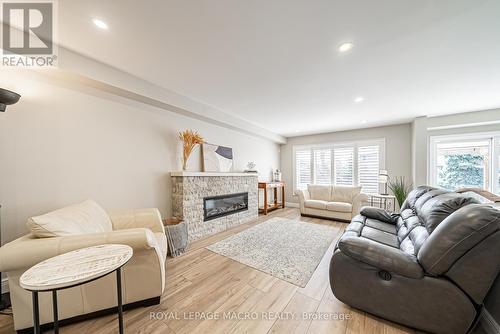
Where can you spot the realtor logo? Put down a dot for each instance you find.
(28, 34)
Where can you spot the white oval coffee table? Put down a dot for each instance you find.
(75, 268)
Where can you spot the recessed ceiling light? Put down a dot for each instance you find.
(100, 24)
(364, 121)
(345, 47)
(359, 99)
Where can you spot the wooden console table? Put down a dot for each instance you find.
(272, 185)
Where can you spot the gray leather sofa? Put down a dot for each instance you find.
(429, 267)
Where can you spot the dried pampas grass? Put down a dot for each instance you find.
(190, 139)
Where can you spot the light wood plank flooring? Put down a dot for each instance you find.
(202, 281)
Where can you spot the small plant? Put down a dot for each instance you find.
(400, 188)
(189, 139)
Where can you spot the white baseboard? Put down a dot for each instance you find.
(488, 323)
(5, 285)
(292, 204)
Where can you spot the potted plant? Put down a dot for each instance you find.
(400, 188)
(189, 139)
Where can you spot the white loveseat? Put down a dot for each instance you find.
(83, 225)
(334, 202)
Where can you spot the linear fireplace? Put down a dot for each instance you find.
(219, 206)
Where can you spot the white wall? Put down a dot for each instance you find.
(397, 149)
(425, 127)
(59, 146)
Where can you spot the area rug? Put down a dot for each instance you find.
(284, 248)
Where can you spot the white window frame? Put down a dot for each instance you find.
(494, 153)
(332, 145)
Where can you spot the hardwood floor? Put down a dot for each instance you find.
(203, 281)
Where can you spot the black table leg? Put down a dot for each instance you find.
(36, 315)
(54, 310)
(119, 292)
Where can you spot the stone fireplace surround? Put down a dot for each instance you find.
(189, 189)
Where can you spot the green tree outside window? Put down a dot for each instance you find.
(462, 170)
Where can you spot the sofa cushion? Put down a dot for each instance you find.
(315, 204)
(386, 238)
(440, 206)
(339, 207)
(380, 225)
(319, 192)
(83, 218)
(380, 256)
(456, 235)
(344, 193)
(414, 195)
(372, 229)
(419, 203)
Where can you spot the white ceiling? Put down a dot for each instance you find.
(275, 62)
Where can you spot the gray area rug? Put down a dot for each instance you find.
(284, 248)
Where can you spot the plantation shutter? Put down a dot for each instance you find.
(303, 168)
(344, 165)
(322, 166)
(368, 168)
(496, 189)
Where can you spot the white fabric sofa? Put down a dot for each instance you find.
(83, 225)
(334, 202)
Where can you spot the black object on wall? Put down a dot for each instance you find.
(7, 98)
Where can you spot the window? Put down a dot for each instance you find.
(343, 160)
(465, 161)
(497, 167)
(322, 166)
(302, 168)
(368, 168)
(341, 164)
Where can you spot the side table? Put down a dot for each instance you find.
(275, 205)
(383, 199)
(72, 269)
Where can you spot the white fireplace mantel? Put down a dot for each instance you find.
(187, 174)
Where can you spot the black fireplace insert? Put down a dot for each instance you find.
(219, 206)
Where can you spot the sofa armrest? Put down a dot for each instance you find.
(137, 218)
(357, 202)
(379, 214)
(27, 251)
(303, 196)
(381, 256)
